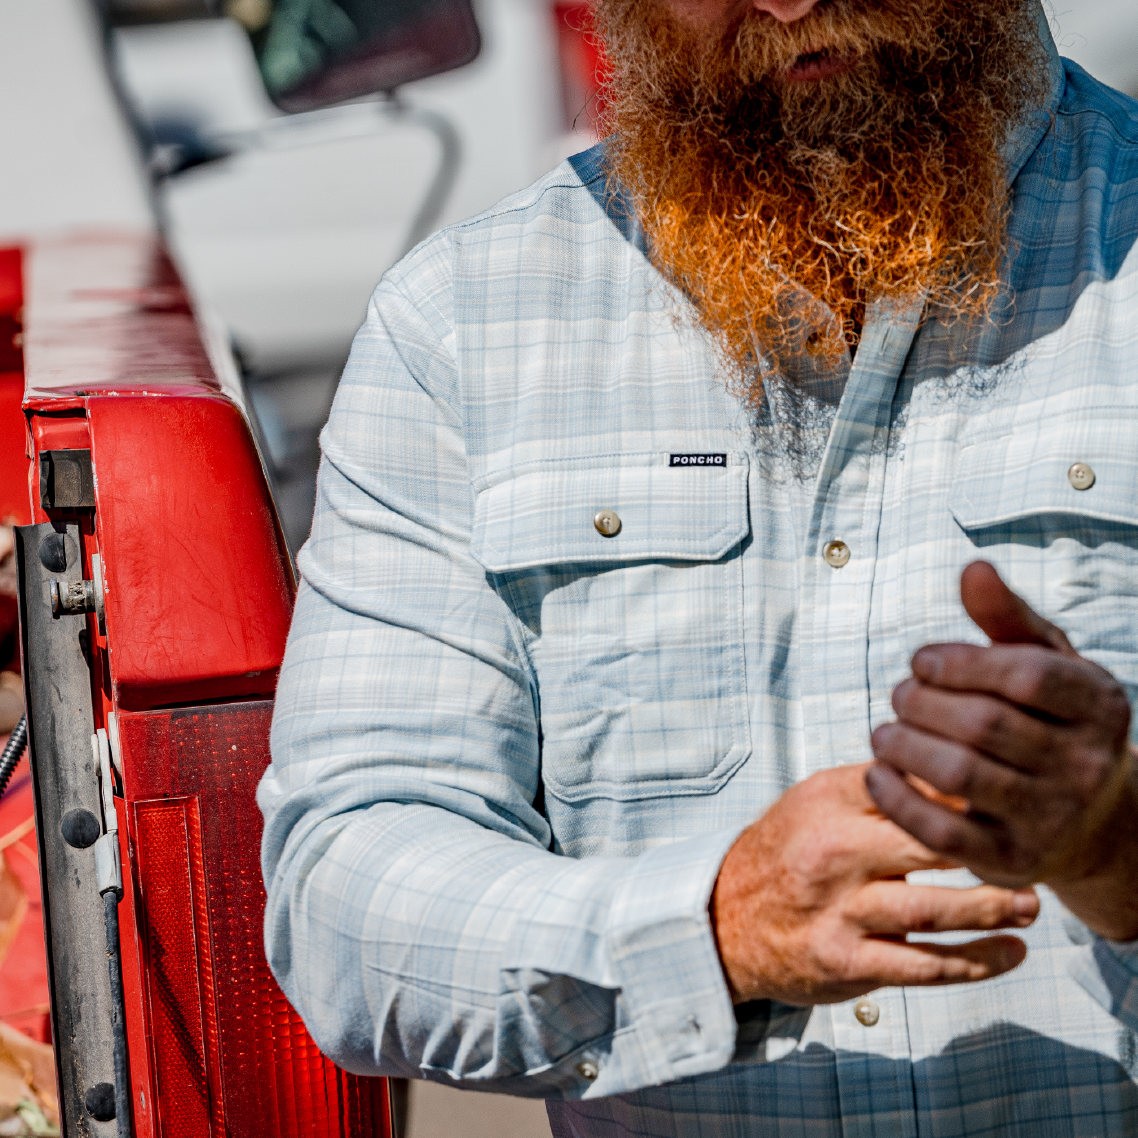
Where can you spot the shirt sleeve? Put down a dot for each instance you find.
(416, 916)
(1107, 970)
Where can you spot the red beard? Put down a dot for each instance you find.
(885, 179)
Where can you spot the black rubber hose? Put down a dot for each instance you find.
(114, 963)
(17, 741)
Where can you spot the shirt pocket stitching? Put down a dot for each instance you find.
(520, 575)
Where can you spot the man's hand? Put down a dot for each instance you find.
(811, 906)
(1030, 739)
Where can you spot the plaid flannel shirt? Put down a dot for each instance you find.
(510, 751)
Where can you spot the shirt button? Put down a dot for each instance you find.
(607, 523)
(867, 1012)
(1081, 476)
(587, 1069)
(836, 553)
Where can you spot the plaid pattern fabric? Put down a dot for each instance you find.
(510, 752)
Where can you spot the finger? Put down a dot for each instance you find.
(979, 723)
(888, 851)
(891, 964)
(1026, 675)
(958, 772)
(893, 908)
(986, 848)
(883, 849)
(1002, 615)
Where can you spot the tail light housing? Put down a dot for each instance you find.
(223, 1053)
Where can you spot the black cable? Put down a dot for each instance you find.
(17, 741)
(114, 963)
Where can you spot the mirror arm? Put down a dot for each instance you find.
(446, 173)
(351, 120)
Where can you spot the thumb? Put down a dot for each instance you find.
(1004, 617)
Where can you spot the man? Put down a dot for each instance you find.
(633, 747)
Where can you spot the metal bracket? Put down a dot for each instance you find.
(108, 864)
(74, 598)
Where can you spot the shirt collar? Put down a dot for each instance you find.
(1026, 135)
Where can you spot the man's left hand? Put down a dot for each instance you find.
(1022, 749)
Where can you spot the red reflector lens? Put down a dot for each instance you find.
(183, 1018)
(229, 1056)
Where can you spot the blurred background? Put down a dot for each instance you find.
(156, 113)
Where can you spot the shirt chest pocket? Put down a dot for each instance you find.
(1055, 507)
(627, 572)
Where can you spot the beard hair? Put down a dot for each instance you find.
(885, 181)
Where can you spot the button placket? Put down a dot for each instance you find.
(837, 578)
(836, 554)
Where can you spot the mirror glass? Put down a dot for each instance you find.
(313, 53)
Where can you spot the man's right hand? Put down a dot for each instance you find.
(811, 905)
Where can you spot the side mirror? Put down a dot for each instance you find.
(314, 53)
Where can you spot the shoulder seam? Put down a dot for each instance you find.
(493, 213)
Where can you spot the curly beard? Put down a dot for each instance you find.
(886, 180)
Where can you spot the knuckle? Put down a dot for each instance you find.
(833, 958)
(944, 835)
(986, 724)
(1114, 710)
(1016, 795)
(824, 857)
(957, 773)
(921, 915)
(930, 969)
(994, 909)
(1031, 676)
(1088, 769)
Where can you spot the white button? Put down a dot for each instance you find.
(587, 1069)
(1081, 476)
(867, 1012)
(836, 553)
(607, 523)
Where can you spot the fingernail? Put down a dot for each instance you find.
(928, 663)
(1012, 955)
(901, 691)
(881, 736)
(873, 780)
(1026, 903)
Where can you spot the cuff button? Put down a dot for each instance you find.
(1081, 476)
(587, 1069)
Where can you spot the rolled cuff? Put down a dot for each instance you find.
(677, 1019)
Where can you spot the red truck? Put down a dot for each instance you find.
(155, 592)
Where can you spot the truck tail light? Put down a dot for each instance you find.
(212, 1031)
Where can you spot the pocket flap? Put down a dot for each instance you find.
(1020, 475)
(543, 512)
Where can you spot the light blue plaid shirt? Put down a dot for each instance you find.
(509, 753)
